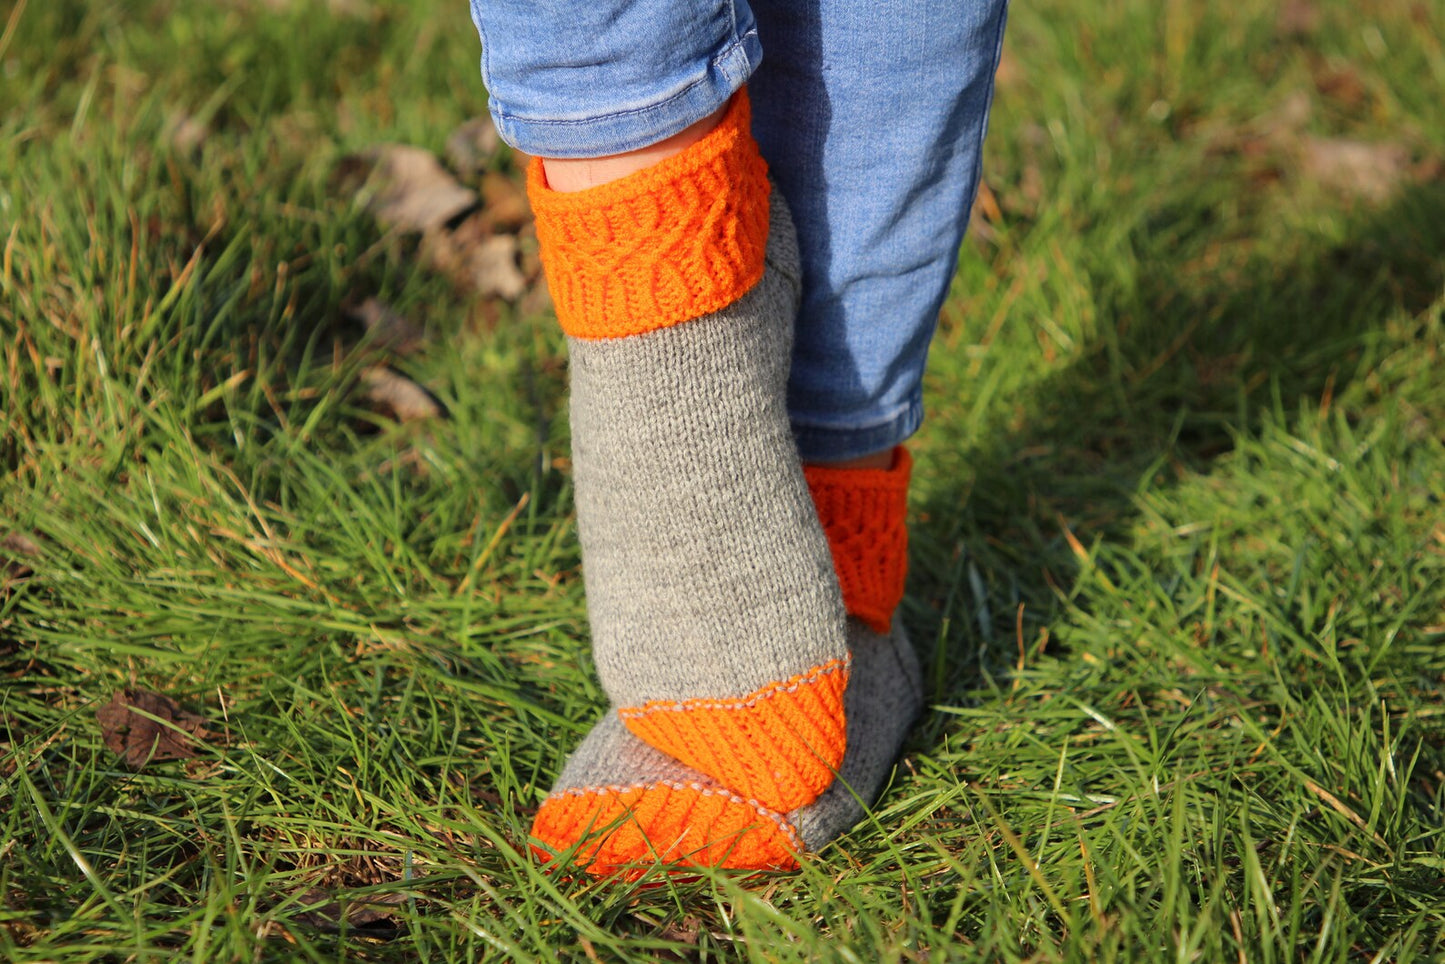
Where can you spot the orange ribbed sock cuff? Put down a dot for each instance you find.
(677, 241)
(864, 514)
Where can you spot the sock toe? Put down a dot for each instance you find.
(621, 806)
(624, 830)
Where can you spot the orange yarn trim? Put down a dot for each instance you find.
(780, 745)
(864, 514)
(624, 830)
(676, 241)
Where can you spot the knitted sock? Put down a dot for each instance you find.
(621, 806)
(717, 625)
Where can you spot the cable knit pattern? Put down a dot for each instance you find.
(674, 242)
(864, 515)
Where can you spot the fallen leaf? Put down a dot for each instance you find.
(144, 727)
(185, 133)
(403, 398)
(1343, 86)
(479, 262)
(471, 146)
(387, 329)
(13, 549)
(494, 267)
(504, 203)
(1289, 117)
(986, 205)
(686, 931)
(1297, 19)
(351, 8)
(1369, 171)
(325, 911)
(407, 188)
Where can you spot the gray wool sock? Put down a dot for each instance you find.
(624, 805)
(717, 624)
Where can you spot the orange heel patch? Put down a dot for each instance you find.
(780, 745)
(625, 830)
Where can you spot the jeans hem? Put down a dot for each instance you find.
(836, 443)
(634, 128)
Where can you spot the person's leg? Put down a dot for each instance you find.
(872, 117)
(717, 622)
(667, 809)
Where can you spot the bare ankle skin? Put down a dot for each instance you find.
(578, 174)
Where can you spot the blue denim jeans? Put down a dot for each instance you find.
(871, 116)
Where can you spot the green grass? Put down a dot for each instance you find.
(1178, 549)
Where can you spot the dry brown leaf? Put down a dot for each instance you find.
(185, 133)
(1343, 86)
(325, 912)
(494, 268)
(1369, 171)
(14, 548)
(388, 329)
(985, 204)
(479, 262)
(1297, 19)
(145, 727)
(1010, 72)
(408, 189)
(349, 8)
(402, 398)
(471, 146)
(504, 203)
(1289, 117)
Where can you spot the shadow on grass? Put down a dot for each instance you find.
(1183, 366)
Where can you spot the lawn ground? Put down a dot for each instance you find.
(1178, 574)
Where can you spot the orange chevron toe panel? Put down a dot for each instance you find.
(626, 830)
(780, 745)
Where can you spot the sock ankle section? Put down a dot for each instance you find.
(864, 515)
(676, 241)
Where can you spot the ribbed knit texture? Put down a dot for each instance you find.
(864, 515)
(630, 806)
(624, 806)
(773, 742)
(676, 241)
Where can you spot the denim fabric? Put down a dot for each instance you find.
(587, 79)
(871, 116)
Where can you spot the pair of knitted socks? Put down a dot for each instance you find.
(741, 608)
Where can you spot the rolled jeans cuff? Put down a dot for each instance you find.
(566, 87)
(837, 442)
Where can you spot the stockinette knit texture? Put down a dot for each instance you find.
(716, 617)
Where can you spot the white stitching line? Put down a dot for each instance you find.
(767, 692)
(706, 791)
